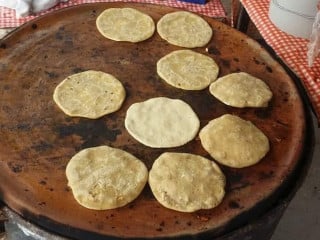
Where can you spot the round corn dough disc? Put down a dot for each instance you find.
(187, 70)
(105, 178)
(125, 24)
(162, 122)
(89, 94)
(234, 142)
(184, 29)
(241, 90)
(186, 182)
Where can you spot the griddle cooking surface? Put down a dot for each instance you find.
(37, 139)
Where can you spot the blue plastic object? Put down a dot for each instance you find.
(194, 1)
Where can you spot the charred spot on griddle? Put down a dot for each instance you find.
(42, 203)
(3, 46)
(51, 74)
(34, 26)
(25, 86)
(233, 204)
(264, 113)
(78, 70)
(235, 176)
(269, 69)
(256, 61)
(162, 224)
(43, 182)
(266, 175)
(131, 206)
(93, 13)
(225, 63)
(23, 127)
(236, 180)
(213, 50)
(92, 132)
(159, 229)
(236, 59)
(16, 168)
(59, 36)
(42, 146)
(189, 223)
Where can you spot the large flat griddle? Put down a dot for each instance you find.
(37, 139)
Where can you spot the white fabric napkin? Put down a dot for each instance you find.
(26, 7)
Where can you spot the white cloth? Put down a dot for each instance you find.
(26, 7)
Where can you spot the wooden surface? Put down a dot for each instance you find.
(37, 139)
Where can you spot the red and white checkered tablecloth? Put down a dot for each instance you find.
(213, 8)
(292, 50)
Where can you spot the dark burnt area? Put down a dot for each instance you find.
(78, 70)
(225, 63)
(266, 175)
(25, 86)
(235, 177)
(269, 69)
(34, 26)
(233, 204)
(264, 113)
(235, 180)
(59, 36)
(3, 45)
(42, 182)
(42, 203)
(93, 132)
(42, 146)
(256, 61)
(131, 206)
(16, 168)
(23, 127)
(93, 13)
(213, 50)
(51, 74)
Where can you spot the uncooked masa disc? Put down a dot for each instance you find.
(162, 122)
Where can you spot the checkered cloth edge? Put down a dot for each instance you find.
(213, 8)
(292, 50)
